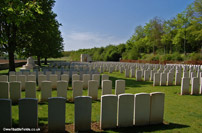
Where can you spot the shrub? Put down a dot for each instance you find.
(195, 56)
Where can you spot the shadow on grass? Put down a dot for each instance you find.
(42, 103)
(15, 123)
(130, 82)
(149, 128)
(40, 119)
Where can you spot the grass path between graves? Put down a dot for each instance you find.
(182, 113)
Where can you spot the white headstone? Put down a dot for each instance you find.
(120, 87)
(31, 78)
(170, 77)
(125, 110)
(139, 75)
(12, 78)
(106, 87)
(178, 79)
(146, 75)
(86, 78)
(53, 79)
(3, 78)
(163, 79)
(65, 77)
(15, 91)
(22, 79)
(127, 73)
(108, 113)
(97, 78)
(46, 91)
(157, 107)
(185, 86)
(93, 89)
(41, 78)
(195, 86)
(30, 89)
(77, 87)
(4, 91)
(141, 109)
(156, 80)
(62, 89)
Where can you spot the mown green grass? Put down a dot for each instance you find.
(182, 113)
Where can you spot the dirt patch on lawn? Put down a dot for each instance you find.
(69, 128)
(7, 61)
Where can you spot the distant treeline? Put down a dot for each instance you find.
(159, 39)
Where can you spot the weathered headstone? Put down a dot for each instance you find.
(82, 115)
(56, 114)
(108, 113)
(125, 110)
(141, 109)
(28, 113)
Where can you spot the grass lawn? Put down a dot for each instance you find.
(182, 113)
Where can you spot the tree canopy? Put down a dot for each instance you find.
(29, 28)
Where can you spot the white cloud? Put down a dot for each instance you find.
(81, 40)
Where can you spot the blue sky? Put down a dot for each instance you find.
(96, 23)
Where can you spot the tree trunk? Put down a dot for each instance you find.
(11, 59)
(38, 60)
(45, 62)
(11, 46)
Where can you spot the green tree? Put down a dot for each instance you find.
(46, 40)
(13, 14)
